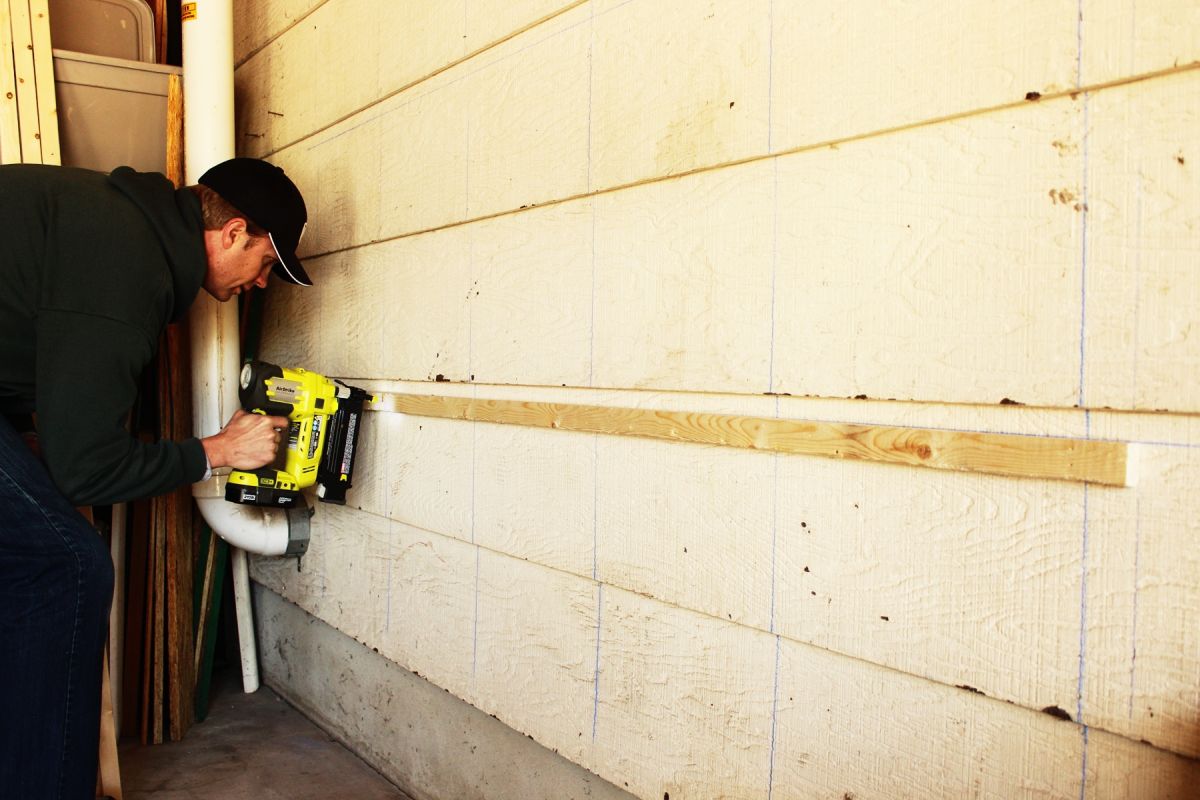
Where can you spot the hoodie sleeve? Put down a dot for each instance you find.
(87, 372)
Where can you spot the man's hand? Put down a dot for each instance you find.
(248, 441)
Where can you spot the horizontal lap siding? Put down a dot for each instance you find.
(964, 579)
(945, 263)
(721, 200)
(696, 706)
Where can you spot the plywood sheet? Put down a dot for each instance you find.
(684, 283)
(548, 659)
(975, 253)
(1143, 589)
(711, 545)
(844, 70)
(534, 498)
(939, 263)
(397, 309)
(533, 268)
(262, 20)
(677, 86)
(430, 607)
(491, 21)
(696, 706)
(867, 733)
(1142, 290)
(304, 77)
(525, 148)
(1124, 37)
(685, 702)
(965, 579)
(431, 475)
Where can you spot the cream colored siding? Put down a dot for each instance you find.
(836, 211)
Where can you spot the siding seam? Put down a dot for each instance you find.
(831, 143)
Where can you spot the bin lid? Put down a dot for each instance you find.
(113, 28)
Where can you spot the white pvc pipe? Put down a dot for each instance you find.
(209, 139)
(247, 528)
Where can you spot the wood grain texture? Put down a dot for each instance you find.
(522, 150)
(873, 735)
(686, 702)
(429, 478)
(43, 66)
(1143, 176)
(559, 613)
(833, 625)
(708, 102)
(431, 618)
(173, 169)
(917, 280)
(699, 707)
(678, 268)
(311, 53)
(531, 269)
(10, 129)
(25, 76)
(1124, 37)
(1143, 590)
(262, 20)
(965, 219)
(435, 35)
(1015, 456)
(834, 77)
(980, 582)
(814, 94)
(515, 473)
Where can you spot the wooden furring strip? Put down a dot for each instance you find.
(993, 453)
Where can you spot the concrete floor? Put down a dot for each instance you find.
(252, 747)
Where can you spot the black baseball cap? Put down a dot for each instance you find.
(271, 201)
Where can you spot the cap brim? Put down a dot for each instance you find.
(289, 266)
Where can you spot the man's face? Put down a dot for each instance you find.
(237, 262)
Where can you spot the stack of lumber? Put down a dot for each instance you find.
(159, 671)
(159, 647)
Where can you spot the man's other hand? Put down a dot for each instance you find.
(248, 441)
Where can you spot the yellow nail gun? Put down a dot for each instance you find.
(326, 418)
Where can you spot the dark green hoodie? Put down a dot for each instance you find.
(92, 267)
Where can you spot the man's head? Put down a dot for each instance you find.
(254, 217)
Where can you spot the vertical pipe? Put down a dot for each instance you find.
(208, 140)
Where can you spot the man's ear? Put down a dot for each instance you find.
(231, 231)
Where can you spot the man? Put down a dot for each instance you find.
(92, 268)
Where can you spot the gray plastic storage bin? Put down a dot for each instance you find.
(110, 28)
(111, 111)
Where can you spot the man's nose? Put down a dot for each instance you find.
(261, 280)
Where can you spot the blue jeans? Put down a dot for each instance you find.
(56, 580)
